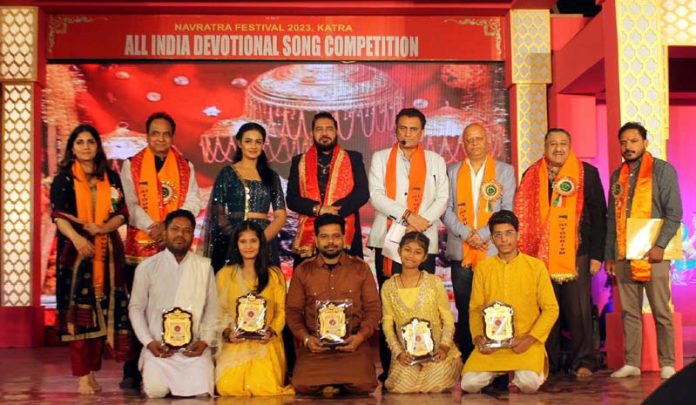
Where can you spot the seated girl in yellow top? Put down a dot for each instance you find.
(417, 294)
(251, 367)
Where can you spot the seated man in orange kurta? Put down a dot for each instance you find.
(521, 282)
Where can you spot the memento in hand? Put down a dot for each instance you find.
(333, 321)
(251, 317)
(498, 326)
(417, 335)
(177, 328)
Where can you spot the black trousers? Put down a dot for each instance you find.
(429, 266)
(130, 367)
(462, 278)
(575, 304)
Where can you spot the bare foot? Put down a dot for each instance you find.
(93, 381)
(83, 385)
(457, 392)
(583, 372)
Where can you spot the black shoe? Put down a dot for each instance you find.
(129, 383)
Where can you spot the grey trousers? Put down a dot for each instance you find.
(631, 296)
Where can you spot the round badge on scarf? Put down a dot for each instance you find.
(617, 190)
(492, 190)
(168, 192)
(565, 186)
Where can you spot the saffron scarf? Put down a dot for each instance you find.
(490, 192)
(641, 207)
(159, 193)
(549, 230)
(340, 184)
(95, 211)
(416, 186)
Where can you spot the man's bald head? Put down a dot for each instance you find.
(475, 141)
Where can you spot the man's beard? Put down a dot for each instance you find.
(178, 251)
(330, 255)
(325, 148)
(635, 157)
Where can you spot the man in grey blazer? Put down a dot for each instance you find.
(478, 187)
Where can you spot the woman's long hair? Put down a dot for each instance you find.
(234, 256)
(265, 171)
(99, 158)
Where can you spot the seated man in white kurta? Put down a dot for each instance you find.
(173, 278)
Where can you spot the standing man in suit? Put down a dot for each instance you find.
(479, 186)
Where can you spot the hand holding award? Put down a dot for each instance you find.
(498, 326)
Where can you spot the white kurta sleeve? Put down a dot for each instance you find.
(138, 305)
(193, 195)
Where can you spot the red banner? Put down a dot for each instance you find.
(198, 37)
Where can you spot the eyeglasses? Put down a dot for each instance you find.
(507, 234)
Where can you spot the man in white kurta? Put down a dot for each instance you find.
(172, 278)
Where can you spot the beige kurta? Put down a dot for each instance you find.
(427, 301)
(524, 284)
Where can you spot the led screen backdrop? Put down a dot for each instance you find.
(209, 101)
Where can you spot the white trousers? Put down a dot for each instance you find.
(178, 374)
(526, 380)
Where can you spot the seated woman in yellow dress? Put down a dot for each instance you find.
(245, 366)
(417, 294)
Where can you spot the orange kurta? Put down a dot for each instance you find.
(524, 284)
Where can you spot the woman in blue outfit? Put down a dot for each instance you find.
(245, 190)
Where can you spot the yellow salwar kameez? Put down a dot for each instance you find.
(251, 368)
(524, 284)
(426, 301)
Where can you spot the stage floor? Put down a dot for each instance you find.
(42, 376)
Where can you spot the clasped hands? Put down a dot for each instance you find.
(439, 354)
(156, 232)
(520, 344)
(475, 241)
(349, 346)
(159, 349)
(235, 337)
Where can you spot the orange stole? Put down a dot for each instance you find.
(549, 231)
(465, 199)
(416, 186)
(340, 184)
(172, 179)
(641, 207)
(98, 215)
